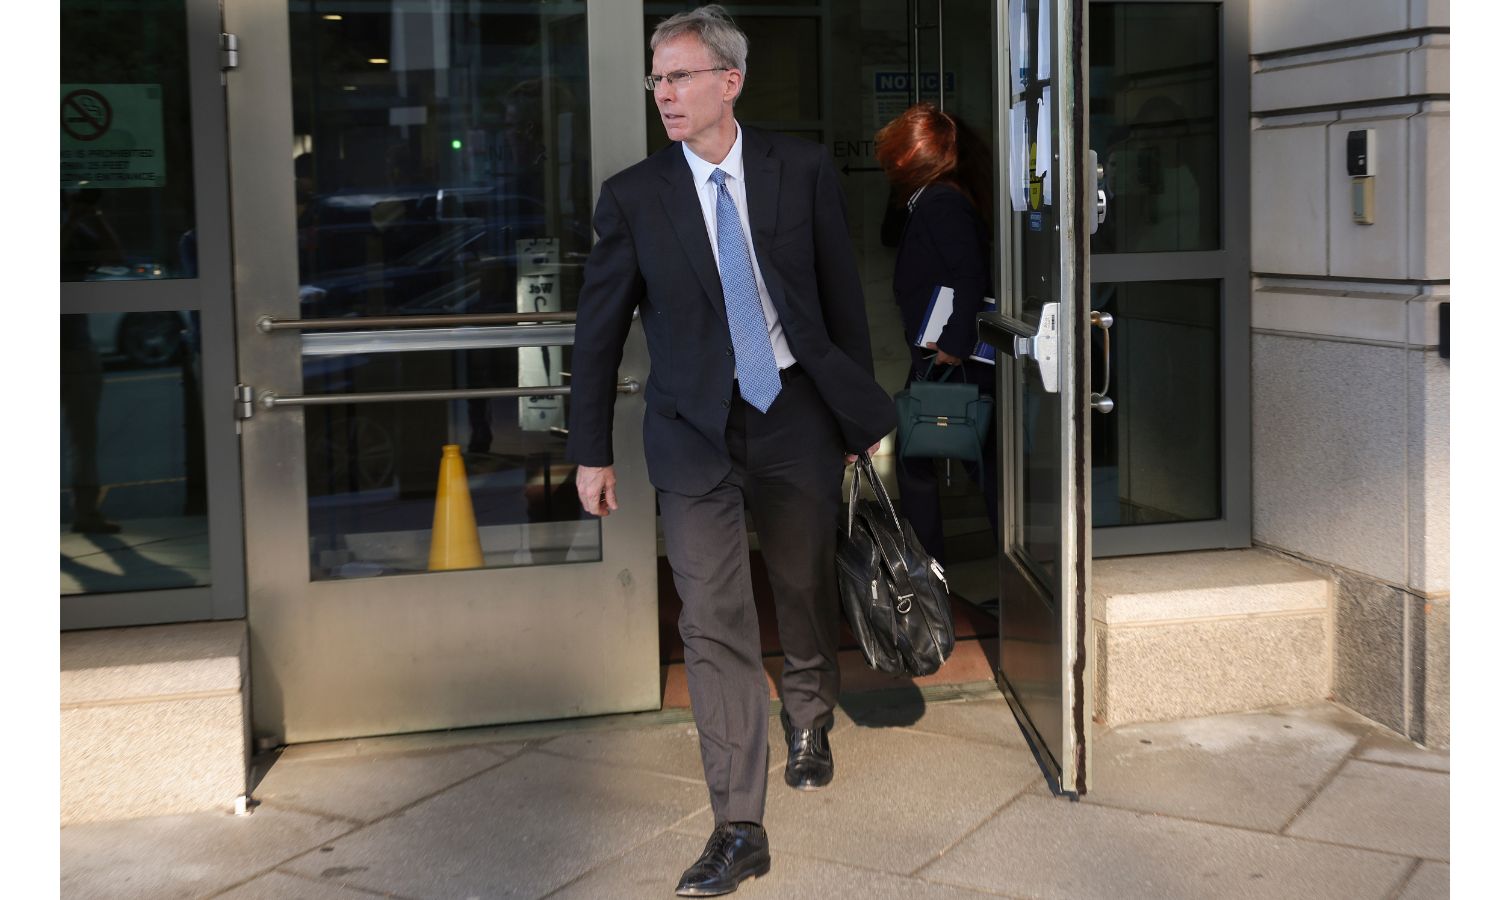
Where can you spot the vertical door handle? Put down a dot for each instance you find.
(1100, 399)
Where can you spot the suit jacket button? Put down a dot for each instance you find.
(726, 404)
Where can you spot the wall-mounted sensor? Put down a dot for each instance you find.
(1359, 149)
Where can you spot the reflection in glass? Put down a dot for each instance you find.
(1033, 222)
(782, 82)
(133, 494)
(1041, 504)
(1157, 456)
(126, 142)
(372, 468)
(441, 159)
(1154, 121)
(437, 150)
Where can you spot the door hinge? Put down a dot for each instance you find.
(244, 402)
(229, 51)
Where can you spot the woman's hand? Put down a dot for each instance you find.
(943, 358)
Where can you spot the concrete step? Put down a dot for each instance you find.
(154, 720)
(1191, 634)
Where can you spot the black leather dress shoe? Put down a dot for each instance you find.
(809, 759)
(734, 852)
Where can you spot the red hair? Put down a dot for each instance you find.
(917, 148)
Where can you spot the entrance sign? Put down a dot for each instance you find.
(112, 136)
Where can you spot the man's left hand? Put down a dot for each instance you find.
(851, 457)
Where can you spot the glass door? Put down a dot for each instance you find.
(149, 495)
(1045, 213)
(413, 183)
(1170, 266)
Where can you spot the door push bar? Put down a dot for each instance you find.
(268, 324)
(269, 400)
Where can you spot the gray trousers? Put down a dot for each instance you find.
(787, 467)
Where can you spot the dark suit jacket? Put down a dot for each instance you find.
(944, 243)
(653, 254)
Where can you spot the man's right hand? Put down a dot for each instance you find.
(596, 489)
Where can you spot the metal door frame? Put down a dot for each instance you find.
(1070, 770)
(1230, 266)
(209, 293)
(337, 644)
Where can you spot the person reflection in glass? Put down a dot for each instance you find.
(517, 213)
(1152, 181)
(939, 170)
(87, 243)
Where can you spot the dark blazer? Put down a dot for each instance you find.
(945, 242)
(653, 254)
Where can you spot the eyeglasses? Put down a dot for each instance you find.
(679, 77)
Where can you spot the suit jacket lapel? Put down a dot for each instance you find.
(762, 193)
(762, 185)
(685, 212)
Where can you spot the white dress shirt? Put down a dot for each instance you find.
(708, 196)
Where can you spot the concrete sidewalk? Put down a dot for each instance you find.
(932, 799)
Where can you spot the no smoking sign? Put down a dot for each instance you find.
(112, 136)
(86, 115)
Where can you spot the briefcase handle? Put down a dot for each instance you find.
(863, 464)
(894, 555)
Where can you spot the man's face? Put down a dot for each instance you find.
(693, 109)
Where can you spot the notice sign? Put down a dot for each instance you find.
(112, 136)
(893, 91)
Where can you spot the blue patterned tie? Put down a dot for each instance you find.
(754, 360)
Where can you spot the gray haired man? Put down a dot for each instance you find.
(733, 244)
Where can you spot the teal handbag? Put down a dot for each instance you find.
(942, 419)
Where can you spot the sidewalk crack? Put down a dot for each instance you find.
(1411, 872)
(1025, 789)
(365, 825)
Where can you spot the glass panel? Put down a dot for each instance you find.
(441, 164)
(437, 146)
(134, 501)
(1154, 121)
(783, 80)
(782, 85)
(372, 468)
(1157, 456)
(1041, 512)
(126, 142)
(1031, 197)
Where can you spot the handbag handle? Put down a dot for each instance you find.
(947, 372)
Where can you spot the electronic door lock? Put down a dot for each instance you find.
(1023, 340)
(1096, 188)
(1042, 347)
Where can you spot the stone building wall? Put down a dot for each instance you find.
(1350, 392)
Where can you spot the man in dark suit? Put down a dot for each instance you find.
(733, 244)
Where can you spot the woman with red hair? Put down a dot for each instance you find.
(940, 171)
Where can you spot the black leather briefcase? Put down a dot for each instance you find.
(894, 595)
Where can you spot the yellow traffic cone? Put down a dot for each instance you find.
(455, 536)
